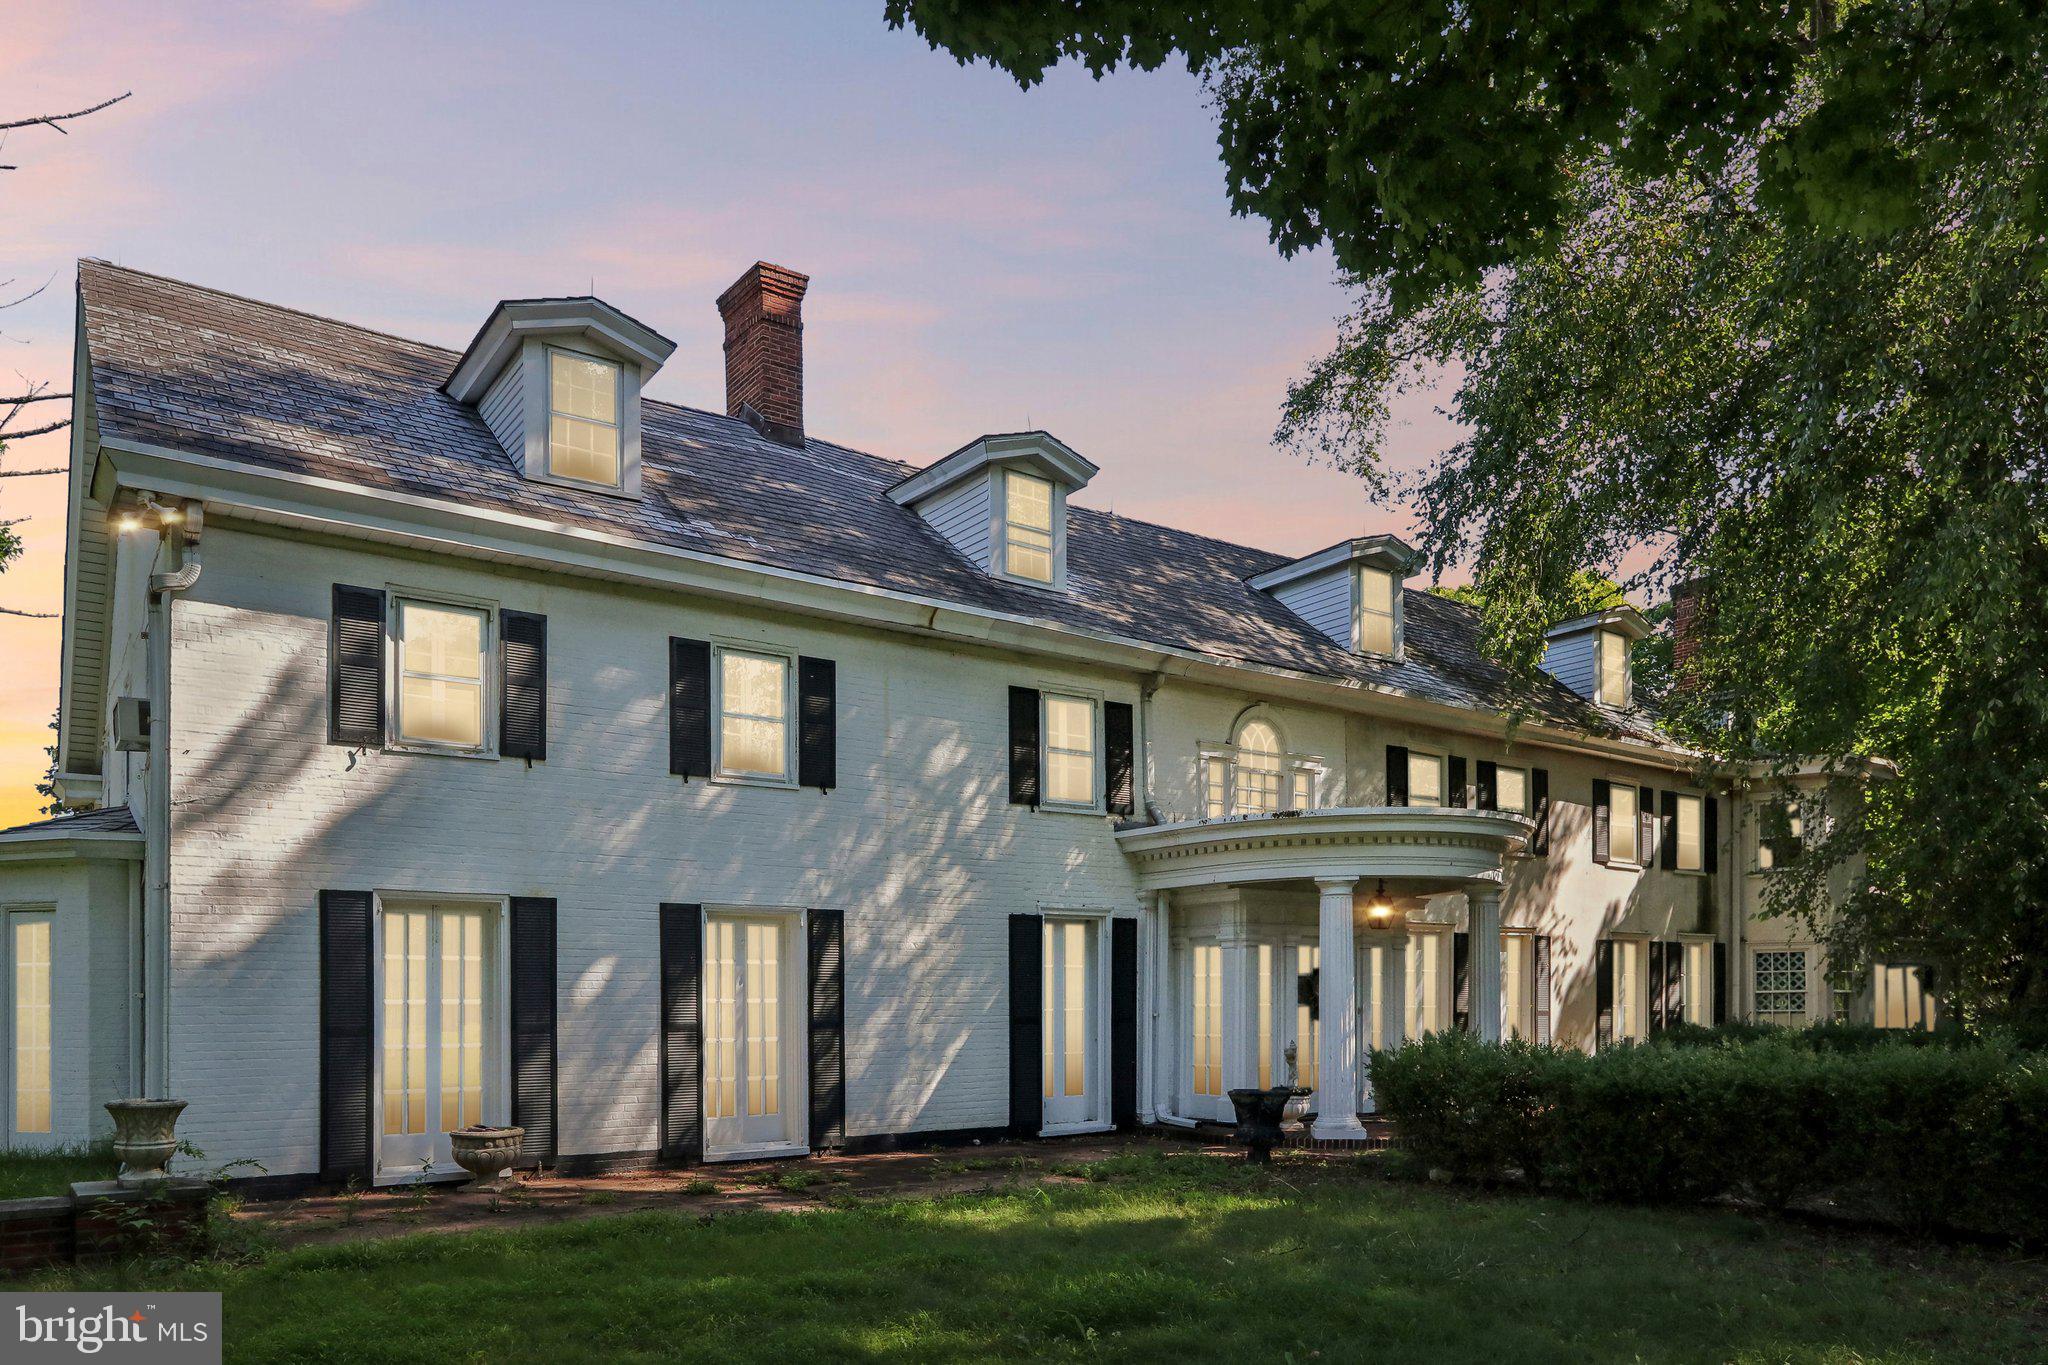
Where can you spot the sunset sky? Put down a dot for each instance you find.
(981, 258)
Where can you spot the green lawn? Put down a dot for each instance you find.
(25, 1175)
(1156, 1257)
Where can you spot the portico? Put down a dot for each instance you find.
(1306, 937)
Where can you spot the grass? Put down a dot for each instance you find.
(27, 1175)
(1155, 1256)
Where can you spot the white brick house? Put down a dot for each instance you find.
(464, 738)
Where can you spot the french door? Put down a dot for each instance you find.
(441, 1057)
(1202, 1091)
(751, 1100)
(1073, 1084)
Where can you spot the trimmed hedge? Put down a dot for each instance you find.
(1928, 1137)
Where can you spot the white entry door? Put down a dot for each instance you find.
(1202, 1092)
(440, 1058)
(1073, 1085)
(751, 1100)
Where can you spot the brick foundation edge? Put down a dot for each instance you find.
(100, 1220)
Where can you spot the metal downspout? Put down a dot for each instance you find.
(179, 529)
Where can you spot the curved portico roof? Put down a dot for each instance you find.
(1430, 848)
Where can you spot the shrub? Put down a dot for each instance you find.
(1929, 1136)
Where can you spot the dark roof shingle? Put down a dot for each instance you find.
(110, 820)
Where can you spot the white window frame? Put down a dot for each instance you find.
(1052, 530)
(1431, 1006)
(787, 657)
(1218, 764)
(1392, 615)
(497, 1100)
(1637, 854)
(1631, 988)
(1698, 806)
(795, 1063)
(1046, 696)
(17, 1140)
(1518, 984)
(1795, 817)
(1757, 1012)
(1527, 797)
(1698, 991)
(1443, 777)
(1098, 919)
(1603, 640)
(550, 412)
(396, 598)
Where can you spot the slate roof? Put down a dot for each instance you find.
(112, 820)
(183, 366)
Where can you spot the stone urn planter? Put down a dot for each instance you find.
(487, 1154)
(145, 1138)
(1258, 1119)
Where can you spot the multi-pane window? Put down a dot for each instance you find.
(1511, 789)
(1216, 785)
(1699, 982)
(1304, 787)
(1902, 995)
(1631, 989)
(583, 418)
(1258, 769)
(1691, 855)
(1781, 835)
(753, 715)
(29, 948)
(1780, 992)
(1308, 1038)
(1426, 976)
(1376, 589)
(1622, 823)
(1027, 526)
(441, 658)
(1425, 779)
(1262, 1042)
(1069, 750)
(1613, 663)
(1255, 775)
(1205, 1035)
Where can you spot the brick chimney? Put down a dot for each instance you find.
(1686, 620)
(764, 350)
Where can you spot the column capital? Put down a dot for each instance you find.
(1328, 884)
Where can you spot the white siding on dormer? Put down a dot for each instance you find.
(1323, 600)
(964, 515)
(1570, 659)
(504, 414)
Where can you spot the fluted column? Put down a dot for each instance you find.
(1484, 902)
(1337, 1065)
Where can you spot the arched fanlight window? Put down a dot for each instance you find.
(1259, 762)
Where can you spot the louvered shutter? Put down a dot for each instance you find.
(1710, 857)
(1646, 824)
(1720, 983)
(346, 1014)
(689, 707)
(533, 1027)
(1024, 750)
(1119, 757)
(355, 681)
(522, 685)
(1027, 1025)
(817, 735)
(1461, 981)
(1123, 1022)
(1674, 983)
(1657, 967)
(1603, 993)
(1542, 988)
(828, 1028)
(1397, 774)
(1456, 794)
(1602, 814)
(1539, 809)
(1667, 845)
(1488, 787)
(682, 1033)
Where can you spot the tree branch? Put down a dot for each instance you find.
(26, 473)
(38, 431)
(53, 120)
(33, 396)
(31, 615)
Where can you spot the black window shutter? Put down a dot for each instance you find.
(1720, 983)
(1646, 824)
(1602, 813)
(1123, 1022)
(1119, 757)
(1488, 786)
(1603, 992)
(1674, 984)
(1658, 966)
(1027, 1025)
(689, 707)
(523, 685)
(346, 1012)
(817, 735)
(1024, 753)
(1667, 846)
(682, 1032)
(1542, 988)
(1457, 794)
(1710, 856)
(1397, 774)
(355, 679)
(828, 1028)
(1461, 980)
(1539, 809)
(533, 1026)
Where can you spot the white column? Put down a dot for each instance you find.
(1484, 903)
(1337, 1067)
(1165, 1008)
(1148, 1005)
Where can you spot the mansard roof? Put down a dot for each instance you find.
(198, 371)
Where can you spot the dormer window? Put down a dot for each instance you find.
(1377, 590)
(583, 418)
(1027, 526)
(1351, 592)
(1614, 679)
(1590, 654)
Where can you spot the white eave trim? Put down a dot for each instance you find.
(1624, 620)
(1040, 450)
(1384, 552)
(73, 846)
(443, 527)
(512, 321)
